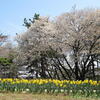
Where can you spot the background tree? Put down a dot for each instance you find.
(7, 67)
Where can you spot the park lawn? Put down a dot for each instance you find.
(22, 96)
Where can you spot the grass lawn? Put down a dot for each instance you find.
(17, 96)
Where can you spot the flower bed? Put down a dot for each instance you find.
(82, 88)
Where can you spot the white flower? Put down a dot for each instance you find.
(56, 90)
(94, 91)
(71, 91)
(80, 90)
(15, 89)
(45, 91)
(62, 90)
(27, 90)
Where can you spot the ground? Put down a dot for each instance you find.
(18, 96)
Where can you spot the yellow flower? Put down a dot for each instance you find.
(61, 85)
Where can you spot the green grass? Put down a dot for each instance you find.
(22, 96)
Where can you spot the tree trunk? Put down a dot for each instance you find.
(43, 73)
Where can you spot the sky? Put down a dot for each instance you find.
(12, 12)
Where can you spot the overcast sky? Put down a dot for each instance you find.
(12, 12)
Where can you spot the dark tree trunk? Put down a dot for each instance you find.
(43, 69)
(93, 69)
(76, 71)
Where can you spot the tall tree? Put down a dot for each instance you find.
(79, 32)
(34, 44)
